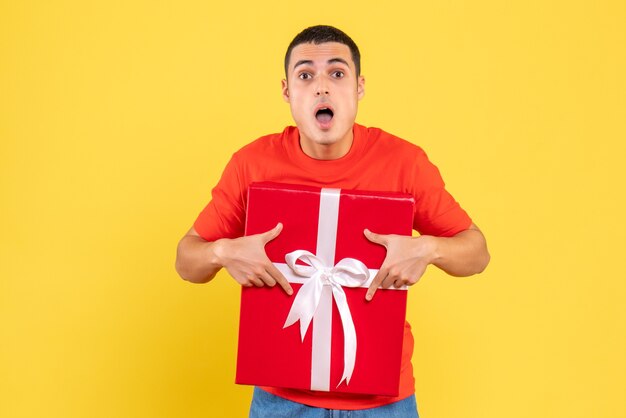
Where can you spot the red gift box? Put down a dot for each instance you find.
(326, 336)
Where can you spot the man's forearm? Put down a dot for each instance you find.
(464, 254)
(196, 260)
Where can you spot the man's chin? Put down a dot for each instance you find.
(325, 137)
(321, 136)
(329, 135)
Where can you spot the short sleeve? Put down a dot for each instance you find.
(436, 211)
(224, 216)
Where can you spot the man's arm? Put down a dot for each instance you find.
(198, 260)
(464, 254)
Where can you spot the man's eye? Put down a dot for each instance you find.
(338, 74)
(304, 76)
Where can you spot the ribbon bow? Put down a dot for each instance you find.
(348, 272)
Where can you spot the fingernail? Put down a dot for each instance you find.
(368, 297)
(290, 292)
(366, 231)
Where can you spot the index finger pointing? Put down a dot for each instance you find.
(378, 279)
(280, 279)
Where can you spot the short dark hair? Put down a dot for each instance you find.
(320, 34)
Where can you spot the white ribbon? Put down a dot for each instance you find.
(348, 272)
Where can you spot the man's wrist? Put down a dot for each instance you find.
(430, 248)
(216, 252)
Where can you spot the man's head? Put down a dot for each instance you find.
(321, 34)
(323, 87)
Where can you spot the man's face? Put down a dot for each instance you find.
(323, 89)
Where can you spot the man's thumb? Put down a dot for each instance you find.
(375, 238)
(272, 233)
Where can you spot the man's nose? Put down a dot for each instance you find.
(322, 89)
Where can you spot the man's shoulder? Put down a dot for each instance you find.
(268, 144)
(384, 141)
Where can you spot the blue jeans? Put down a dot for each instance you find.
(266, 405)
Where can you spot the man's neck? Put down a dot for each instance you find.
(332, 151)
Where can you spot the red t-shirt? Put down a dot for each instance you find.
(377, 161)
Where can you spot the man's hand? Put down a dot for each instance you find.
(463, 254)
(406, 260)
(246, 261)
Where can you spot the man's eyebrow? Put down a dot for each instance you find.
(330, 61)
(341, 60)
(302, 62)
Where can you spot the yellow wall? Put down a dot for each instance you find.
(116, 119)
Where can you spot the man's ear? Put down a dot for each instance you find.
(360, 87)
(285, 89)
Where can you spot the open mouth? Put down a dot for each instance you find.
(324, 115)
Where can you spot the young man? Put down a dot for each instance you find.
(323, 86)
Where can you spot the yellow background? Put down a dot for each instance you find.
(117, 117)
